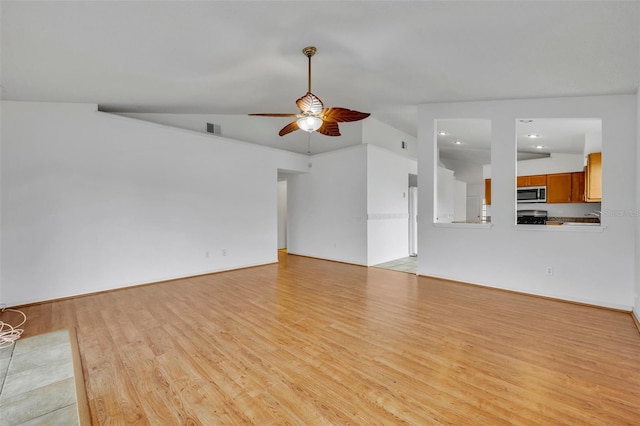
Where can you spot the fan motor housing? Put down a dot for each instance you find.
(309, 51)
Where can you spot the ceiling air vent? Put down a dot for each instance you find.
(214, 128)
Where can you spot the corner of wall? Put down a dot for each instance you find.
(636, 318)
(375, 132)
(1, 103)
(636, 302)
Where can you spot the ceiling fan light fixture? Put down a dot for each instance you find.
(309, 123)
(313, 115)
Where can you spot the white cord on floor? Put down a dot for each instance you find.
(10, 333)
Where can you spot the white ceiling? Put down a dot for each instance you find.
(558, 135)
(474, 136)
(554, 136)
(238, 57)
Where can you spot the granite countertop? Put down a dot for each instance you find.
(573, 219)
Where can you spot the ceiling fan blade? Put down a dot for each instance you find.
(310, 104)
(266, 114)
(343, 114)
(291, 127)
(329, 128)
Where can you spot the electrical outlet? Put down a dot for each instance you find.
(224, 252)
(549, 270)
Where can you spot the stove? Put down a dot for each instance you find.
(532, 217)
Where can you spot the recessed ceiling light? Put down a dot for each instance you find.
(443, 133)
(457, 142)
(539, 146)
(526, 121)
(533, 136)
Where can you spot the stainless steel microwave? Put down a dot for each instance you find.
(532, 194)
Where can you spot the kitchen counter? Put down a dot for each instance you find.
(574, 221)
(471, 221)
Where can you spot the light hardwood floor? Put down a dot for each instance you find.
(312, 342)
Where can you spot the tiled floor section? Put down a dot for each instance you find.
(406, 264)
(39, 387)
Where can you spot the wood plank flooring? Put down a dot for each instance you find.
(312, 342)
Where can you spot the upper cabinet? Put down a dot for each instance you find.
(535, 180)
(487, 191)
(559, 188)
(593, 178)
(577, 187)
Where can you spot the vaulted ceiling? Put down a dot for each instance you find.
(383, 57)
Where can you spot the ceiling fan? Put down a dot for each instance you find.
(313, 115)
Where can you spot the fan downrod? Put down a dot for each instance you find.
(309, 51)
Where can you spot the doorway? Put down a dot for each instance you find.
(410, 263)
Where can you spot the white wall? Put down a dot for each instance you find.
(375, 132)
(460, 201)
(592, 143)
(465, 171)
(387, 205)
(327, 207)
(445, 194)
(352, 206)
(1, 134)
(557, 163)
(260, 130)
(282, 214)
(591, 266)
(93, 201)
(636, 307)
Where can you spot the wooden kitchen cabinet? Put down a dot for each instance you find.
(593, 178)
(559, 188)
(487, 191)
(565, 187)
(534, 180)
(577, 187)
